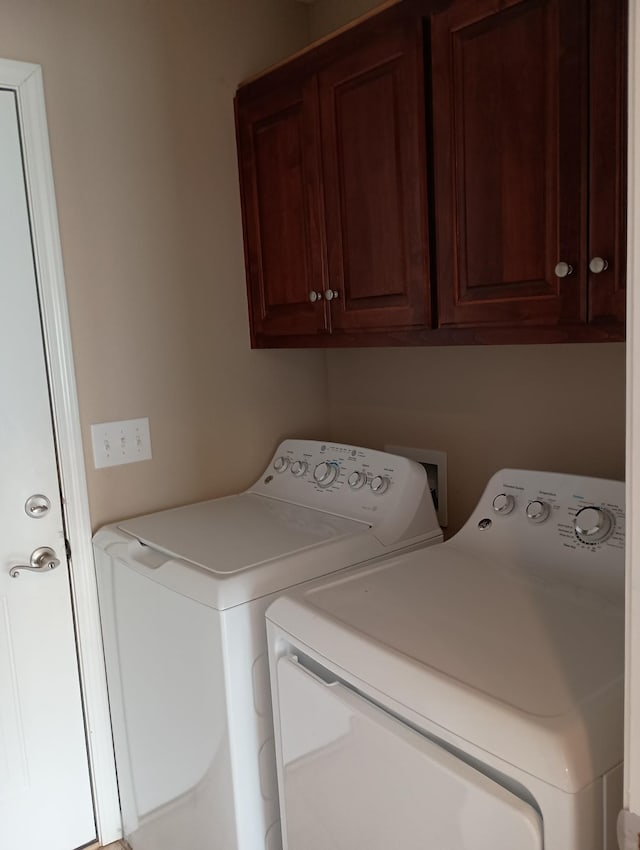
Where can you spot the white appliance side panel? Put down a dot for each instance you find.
(342, 759)
(251, 725)
(167, 696)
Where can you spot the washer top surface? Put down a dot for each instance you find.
(316, 508)
(236, 533)
(509, 636)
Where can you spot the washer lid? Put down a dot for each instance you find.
(529, 671)
(235, 533)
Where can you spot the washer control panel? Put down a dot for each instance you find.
(355, 482)
(553, 523)
(331, 467)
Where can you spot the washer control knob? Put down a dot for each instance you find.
(357, 480)
(299, 468)
(593, 525)
(326, 473)
(504, 503)
(538, 511)
(379, 484)
(281, 464)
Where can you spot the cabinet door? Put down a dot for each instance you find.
(510, 142)
(607, 158)
(278, 143)
(372, 114)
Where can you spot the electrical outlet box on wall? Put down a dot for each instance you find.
(435, 464)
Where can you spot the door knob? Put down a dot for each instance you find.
(42, 560)
(315, 296)
(598, 265)
(330, 294)
(563, 269)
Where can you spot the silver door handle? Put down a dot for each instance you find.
(42, 560)
(330, 294)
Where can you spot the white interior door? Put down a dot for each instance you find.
(45, 791)
(355, 778)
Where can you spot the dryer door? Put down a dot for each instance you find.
(353, 777)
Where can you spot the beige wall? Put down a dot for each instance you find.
(328, 15)
(140, 105)
(550, 407)
(547, 407)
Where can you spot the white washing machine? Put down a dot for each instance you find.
(466, 697)
(182, 597)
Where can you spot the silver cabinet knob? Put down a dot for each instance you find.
(598, 265)
(315, 296)
(330, 294)
(563, 269)
(42, 560)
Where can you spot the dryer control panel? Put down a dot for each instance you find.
(386, 491)
(563, 526)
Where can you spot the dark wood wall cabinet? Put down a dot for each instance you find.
(441, 173)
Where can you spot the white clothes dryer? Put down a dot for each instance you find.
(182, 596)
(466, 697)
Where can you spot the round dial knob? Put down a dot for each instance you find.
(379, 484)
(281, 464)
(538, 511)
(326, 473)
(593, 525)
(504, 503)
(299, 467)
(357, 480)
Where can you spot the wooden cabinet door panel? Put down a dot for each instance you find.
(374, 173)
(283, 212)
(607, 158)
(509, 102)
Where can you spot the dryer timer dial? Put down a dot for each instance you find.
(593, 525)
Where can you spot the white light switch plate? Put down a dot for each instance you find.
(115, 443)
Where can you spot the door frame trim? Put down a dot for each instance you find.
(25, 79)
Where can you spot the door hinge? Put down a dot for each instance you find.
(67, 549)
